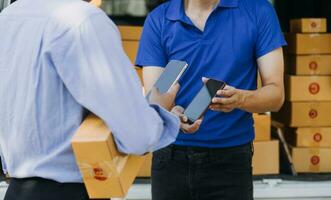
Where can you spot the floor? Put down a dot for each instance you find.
(271, 189)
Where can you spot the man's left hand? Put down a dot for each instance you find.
(228, 99)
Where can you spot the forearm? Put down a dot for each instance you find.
(268, 98)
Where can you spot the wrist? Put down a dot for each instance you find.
(245, 96)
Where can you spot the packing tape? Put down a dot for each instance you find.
(315, 160)
(103, 170)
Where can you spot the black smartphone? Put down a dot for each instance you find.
(202, 100)
(173, 71)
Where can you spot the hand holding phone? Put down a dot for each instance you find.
(203, 99)
(185, 126)
(165, 100)
(173, 71)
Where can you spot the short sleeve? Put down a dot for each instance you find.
(151, 51)
(270, 36)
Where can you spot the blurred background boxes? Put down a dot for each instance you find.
(266, 157)
(309, 137)
(308, 88)
(262, 127)
(308, 64)
(304, 114)
(308, 25)
(130, 39)
(307, 108)
(315, 43)
(312, 160)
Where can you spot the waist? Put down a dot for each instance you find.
(201, 154)
(221, 150)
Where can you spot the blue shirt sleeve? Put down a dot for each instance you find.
(151, 52)
(91, 62)
(269, 33)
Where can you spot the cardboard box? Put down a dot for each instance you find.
(266, 158)
(312, 160)
(130, 32)
(308, 25)
(131, 49)
(309, 137)
(262, 126)
(308, 88)
(304, 114)
(106, 172)
(302, 44)
(146, 169)
(309, 65)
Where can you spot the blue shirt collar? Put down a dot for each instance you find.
(176, 8)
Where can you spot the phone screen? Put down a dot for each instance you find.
(198, 105)
(203, 99)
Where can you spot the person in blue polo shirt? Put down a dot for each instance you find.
(229, 40)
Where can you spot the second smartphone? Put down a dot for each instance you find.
(203, 99)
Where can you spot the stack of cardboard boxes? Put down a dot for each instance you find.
(266, 151)
(307, 110)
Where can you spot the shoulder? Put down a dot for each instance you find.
(73, 13)
(257, 6)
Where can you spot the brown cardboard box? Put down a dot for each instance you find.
(131, 49)
(310, 160)
(146, 169)
(130, 38)
(308, 43)
(262, 126)
(309, 137)
(266, 157)
(308, 88)
(106, 172)
(304, 114)
(130, 32)
(309, 65)
(308, 25)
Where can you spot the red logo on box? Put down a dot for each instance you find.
(317, 137)
(313, 113)
(313, 25)
(315, 160)
(313, 65)
(99, 174)
(314, 88)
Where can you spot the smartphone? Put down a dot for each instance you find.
(173, 71)
(202, 100)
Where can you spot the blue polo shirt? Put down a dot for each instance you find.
(236, 34)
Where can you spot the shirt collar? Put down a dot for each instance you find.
(176, 8)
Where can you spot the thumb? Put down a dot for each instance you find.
(204, 79)
(174, 89)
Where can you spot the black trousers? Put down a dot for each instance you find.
(187, 173)
(43, 189)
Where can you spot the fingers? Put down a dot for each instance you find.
(228, 91)
(221, 108)
(187, 128)
(223, 101)
(178, 111)
(174, 89)
(204, 79)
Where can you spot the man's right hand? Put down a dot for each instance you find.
(166, 100)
